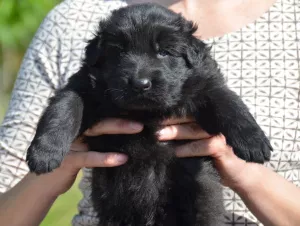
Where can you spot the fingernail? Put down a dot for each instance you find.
(120, 158)
(88, 132)
(161, 132)
(136, 126)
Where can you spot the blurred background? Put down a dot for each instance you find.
(19, 20)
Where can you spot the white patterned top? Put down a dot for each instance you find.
(260, 61)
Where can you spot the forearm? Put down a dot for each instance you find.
(27, 203)
(271, 198)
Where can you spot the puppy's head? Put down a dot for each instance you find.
(145, 55)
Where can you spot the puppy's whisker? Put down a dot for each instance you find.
(121, 96)
(112, 90)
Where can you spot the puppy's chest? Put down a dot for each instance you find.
(144, 143)
(141, 146)
(105, 108)
(125, 142)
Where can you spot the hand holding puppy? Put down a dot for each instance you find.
(271, 198)
(230, 167)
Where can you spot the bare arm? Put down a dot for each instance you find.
(27, 203)
(271, 198)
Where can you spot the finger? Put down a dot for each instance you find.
(78, 160)
(194, 149)
(78, 145)
(114, 126)
(174, 121)
(189, 131)
(214, 147)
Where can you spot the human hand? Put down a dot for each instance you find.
(62, 178)
(231, 168)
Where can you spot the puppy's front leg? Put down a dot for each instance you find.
(57, 128)
(224, 112)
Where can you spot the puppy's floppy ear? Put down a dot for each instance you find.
(189, 27)
(92, 51)
(195, 48)
(196, 52)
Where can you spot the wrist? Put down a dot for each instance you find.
(42, 185)
(52, 184)
(249, 179)
(235, 172)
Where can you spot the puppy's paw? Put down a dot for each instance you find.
(43, 158)
(254, 147)
(259, 149)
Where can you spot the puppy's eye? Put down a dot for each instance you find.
(162, 54)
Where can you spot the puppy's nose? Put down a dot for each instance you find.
(141, 84)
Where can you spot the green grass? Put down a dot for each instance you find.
(4, 99)
(65, 207)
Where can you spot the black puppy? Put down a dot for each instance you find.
(145, 64)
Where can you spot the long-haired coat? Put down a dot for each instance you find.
(144, 64)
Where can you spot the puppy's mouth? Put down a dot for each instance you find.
(137, 103)
(129, 99)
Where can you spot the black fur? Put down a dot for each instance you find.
(145, 64)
